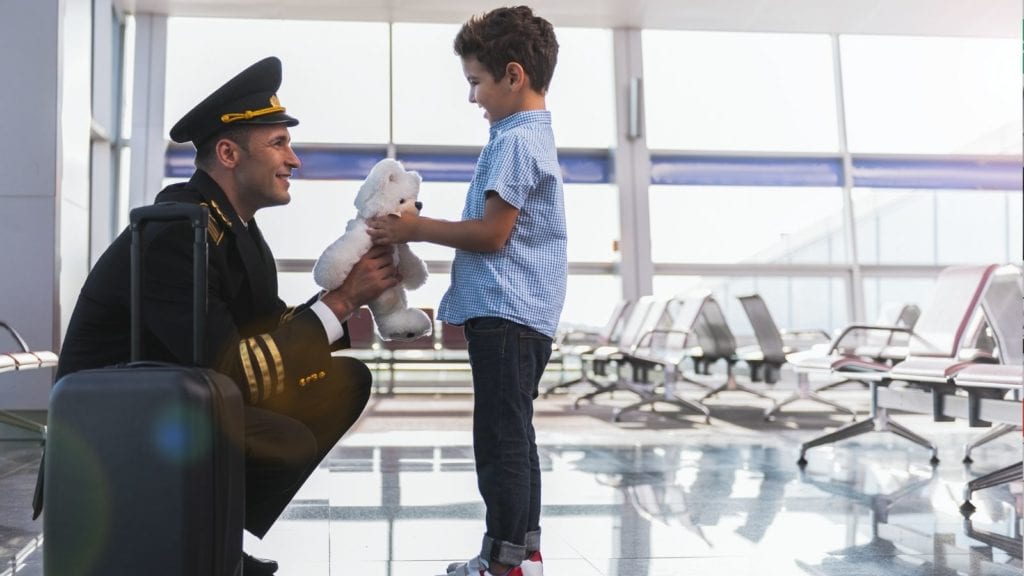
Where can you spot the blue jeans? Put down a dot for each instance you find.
(507, 360)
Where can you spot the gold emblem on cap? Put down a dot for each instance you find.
(275, 107)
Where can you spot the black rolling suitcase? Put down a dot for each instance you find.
(144, 462)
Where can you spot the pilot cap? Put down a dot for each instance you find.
(248, 98)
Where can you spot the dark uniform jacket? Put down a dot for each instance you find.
(252, 336)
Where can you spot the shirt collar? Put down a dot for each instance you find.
(520, 119)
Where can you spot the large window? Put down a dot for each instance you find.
(335, 74)
(733, 91)
(734, 225)
(932, 95)
(748, 166)
(937, 227)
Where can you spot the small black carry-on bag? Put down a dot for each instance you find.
(144, 465)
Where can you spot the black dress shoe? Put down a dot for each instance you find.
(253, 566)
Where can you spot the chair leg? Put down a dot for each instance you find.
(22, 422)
(995, 432)
(584, 378)
(1010, 473)
(849, 431)
(880, 422)
(770, 413)
(903, 431)
(836, 384)
(677, 401)
(612, 387)
(732, 384)
(704, 385)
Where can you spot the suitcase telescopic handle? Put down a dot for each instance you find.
(165, 212)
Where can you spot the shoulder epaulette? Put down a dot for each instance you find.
(216, 222)
(287, 315)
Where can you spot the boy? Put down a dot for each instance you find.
(509, 273)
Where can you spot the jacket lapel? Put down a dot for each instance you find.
(252, 249)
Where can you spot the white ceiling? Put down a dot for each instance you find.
(986, 18)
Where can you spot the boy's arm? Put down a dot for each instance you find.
(488, 234)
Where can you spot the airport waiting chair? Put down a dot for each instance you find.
(1005, 330)
(591, 368)
(935, 342)
(643, 316)
(21, 357)
(665, 348)
(772, 350)
(720, 343)
(773, 345)
(981, 380)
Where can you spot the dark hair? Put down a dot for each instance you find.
(206, 152)
(506, 35)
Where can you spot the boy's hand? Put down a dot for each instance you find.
(392, 229)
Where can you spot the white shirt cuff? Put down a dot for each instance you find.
(331, 323)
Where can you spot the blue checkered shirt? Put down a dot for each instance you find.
(524, 281)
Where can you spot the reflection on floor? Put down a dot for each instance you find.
(647, 497)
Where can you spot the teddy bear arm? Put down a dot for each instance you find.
(411, 267)
(336, 262)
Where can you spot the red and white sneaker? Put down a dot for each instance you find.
(478, 567)
(533, 566)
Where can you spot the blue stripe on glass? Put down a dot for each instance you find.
(938, 174)
(321, 163)
(179, 161)
(326, 163)
(441, 167)
(577, 168)
(745, 171)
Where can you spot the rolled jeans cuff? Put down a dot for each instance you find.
(532, 542)
(502, 552)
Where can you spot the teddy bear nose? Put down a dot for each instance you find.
(419, 205)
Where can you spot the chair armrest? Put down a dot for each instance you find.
(14, 334)
(802, 333)
(645, 338)
(852, 328)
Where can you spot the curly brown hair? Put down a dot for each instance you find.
(513, 34)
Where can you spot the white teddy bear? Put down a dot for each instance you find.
(388, 189)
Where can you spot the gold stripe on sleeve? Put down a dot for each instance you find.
(243, 353)
(275, 356)
(266, 384)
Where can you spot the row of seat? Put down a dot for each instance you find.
(655, 334)
(962, 360)
(959, 358)
(23, 359)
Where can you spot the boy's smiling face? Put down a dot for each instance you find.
(496, 97)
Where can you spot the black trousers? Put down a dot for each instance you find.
(287, 436)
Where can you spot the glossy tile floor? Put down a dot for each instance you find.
(649, 496)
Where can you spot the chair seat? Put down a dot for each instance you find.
(604, 353)
(881, 352)
(853, 364)
(811, 361)
(46, 358)
(991, 376)
(927, 369)
(7, 363)
(25, 360)
(578, 350)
